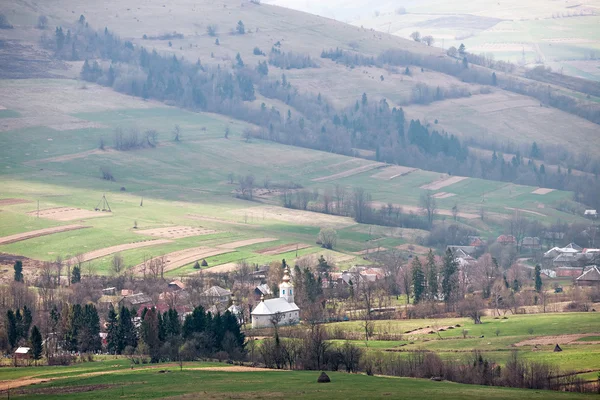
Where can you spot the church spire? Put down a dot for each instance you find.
(286, 288)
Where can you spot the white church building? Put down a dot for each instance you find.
(282, 310)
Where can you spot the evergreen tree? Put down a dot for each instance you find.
(25, 322)
(494, 79)
(74, 322)
(127, 331)
(432, 276)
(364, 99)
(538, 278)
(36, 343)
(11, 328)
(322, 266)
(88, 339)
(449, 277)
(149, 334)
(239, 61)
(195, 322)
(76, 274)
(240, 28)
(114, 342)
(418, 278)
(18, 271)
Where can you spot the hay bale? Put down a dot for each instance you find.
(557, 348)
(323, 378)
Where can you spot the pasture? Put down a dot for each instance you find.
(112, 378)
(182, 193)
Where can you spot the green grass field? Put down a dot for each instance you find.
(196, 381)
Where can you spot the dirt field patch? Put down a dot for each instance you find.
(392, 172)
(242, 243)
(427, 331)
(413, 248)
(176, 232)
(443, 195)
(235, 368)
(437, 185)
(10, 202)
(220, 269)
(67, 213)
(552, 340)
(542, 191)
(40, 232)
(271, 251)
(183, 257)
(350, 172)
(298, 217)
(370, 251)
(213, 219)
(418, 210)
(525, 211)
(92, 255)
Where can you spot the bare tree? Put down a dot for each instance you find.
(117, 263)
(340, 194)
(58, 263)
(327, 198)
(177, 134)
(42, 22)
(327, 238)
(429, 206)
(416, 36)
(517, 226)
(428, 40)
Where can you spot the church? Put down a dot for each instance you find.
(281, 310)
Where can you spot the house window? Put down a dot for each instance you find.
(283, 291)
(290, 291)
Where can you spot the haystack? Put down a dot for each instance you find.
(323, 378)
(557, 348)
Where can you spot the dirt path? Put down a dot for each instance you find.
(235, 368)
(40, 232)
(10, 202)
(183, 257)
(525, 211)
(437, 185)
(559, 339)
(350, 172)
(392, 172)
(92, 255)
(242, 243)
(271, 251)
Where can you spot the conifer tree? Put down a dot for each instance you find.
(418, 278)
(36, 343)
(432, 276)
(18, 271)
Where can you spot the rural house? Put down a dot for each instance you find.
(216, 294)
(531, 243)
(591, 277)
(506, 240)
(262, 290)
(138, 301)
(281, 311)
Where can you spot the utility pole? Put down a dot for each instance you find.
(38, 208)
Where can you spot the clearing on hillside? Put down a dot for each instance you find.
(176, 232)
(542, 191)
(223, 268)
(92, 255)
(40, 232)
(183, 257)
(67, 213)
(350, 172)
(10, 202)
(243, 243)
(392, 172)
(298, 217)
(437, 185)
(443, 195)
(552, 340)
(271, 251)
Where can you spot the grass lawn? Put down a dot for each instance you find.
(146, 383)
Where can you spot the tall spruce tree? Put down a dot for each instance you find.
(449, 277)
(11, 328)
(127, 330)
(114, 343)
(418, 278)
(538, 278)
(36, 343)
(88, 340)
(18, 267)
(432, 276)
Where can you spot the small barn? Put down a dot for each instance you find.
(22, 355)
(591, 277)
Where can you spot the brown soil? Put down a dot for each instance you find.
(426, 331)
(183, 257)
(437, 185)
(392, 172)
(213, 219)
(553, 340)
(40, 232)
(9, 202)
(176, 232)
(220, 269)
(443, 195)
(350, 172)
(300, 217)
(67, 213)
(369, 251)
(242, 243)
(235, 368)
(542, 191)
(271, 251)
(525, 211)
(92, 255)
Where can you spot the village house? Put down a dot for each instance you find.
(281, 311)
(176, 285)
(216, 294)
(137, 301)
(462, 251)
(237, 311)
(22, 354)
(262, 290)
(591, 277)
(531, 243)
(590, 213)
(506, 240)
(569, 272)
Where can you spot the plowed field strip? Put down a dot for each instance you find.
(350, 172)
(271, 251)
(242, 243)
(92, 255)
(183, 257)
(9, 202)
(41, 232)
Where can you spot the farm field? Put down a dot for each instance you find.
(533, 336)
(182, 193)
(112, 378)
